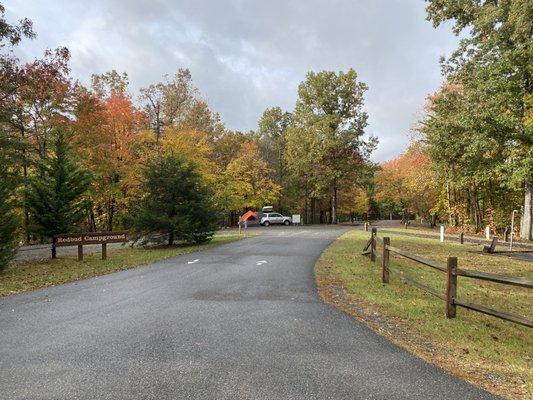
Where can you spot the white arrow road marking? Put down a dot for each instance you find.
(193, 261)
(262, 262)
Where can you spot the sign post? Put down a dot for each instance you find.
(80, 239)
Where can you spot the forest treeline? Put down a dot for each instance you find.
(99, 157)
(82, 158)
(471, 162)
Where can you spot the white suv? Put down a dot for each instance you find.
(274, 218)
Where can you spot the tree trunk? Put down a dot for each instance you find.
(171, 238)
(449, 198)
(526, 227)
(157, 128)
(334, 204)
(27, 224)
(313, 211)
(26, 211)
(110, 214)
(306, 211)
(92, 221)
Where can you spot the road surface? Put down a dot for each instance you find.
(238, 321)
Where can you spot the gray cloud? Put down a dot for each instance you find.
(246, 56)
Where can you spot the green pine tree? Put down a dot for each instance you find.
(9, 179)
(55, 194)
(8, 224)
(176, 203)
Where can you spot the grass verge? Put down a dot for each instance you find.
(454, 236)
(483, 350)
(28, 275)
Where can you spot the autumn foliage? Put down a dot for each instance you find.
(406, 184)
(308, 162)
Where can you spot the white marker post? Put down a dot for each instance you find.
(442, 233)
(512, 229)
(487, 232)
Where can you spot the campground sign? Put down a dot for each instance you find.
(80, 239)
(73, 239)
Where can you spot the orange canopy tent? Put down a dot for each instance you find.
(249, 215)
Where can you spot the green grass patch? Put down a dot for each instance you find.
(28, 275)
(491, 352)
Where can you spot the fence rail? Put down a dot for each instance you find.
(508, 280)
(452, 272)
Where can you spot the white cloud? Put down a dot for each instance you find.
(246, 56)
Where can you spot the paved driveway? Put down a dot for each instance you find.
(239, 321)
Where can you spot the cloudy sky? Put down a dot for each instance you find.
(247, 55)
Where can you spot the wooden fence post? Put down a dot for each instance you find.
(385, 261)
(451, 287)
(104, 251)
(373, 244)
(80, 252)
(54, 248)
(462, 237)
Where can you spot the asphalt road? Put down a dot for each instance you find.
(239, 321)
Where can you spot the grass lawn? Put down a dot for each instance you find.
(501, 246)
(27, 275)
(490, 352)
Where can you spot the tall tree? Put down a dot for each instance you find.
(56, 193)
(272, 143)
(10, 36)
(8, 223)
(9, 177)
(245, 182)
(42, 100)
(168, 102)
(326, 142)
(493, 68)
(106, 129)
(200, 118)
(110, 83)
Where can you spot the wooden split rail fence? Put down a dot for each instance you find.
(452, 271)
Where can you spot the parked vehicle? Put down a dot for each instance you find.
(274, 218)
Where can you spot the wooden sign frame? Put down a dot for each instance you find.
(80, 239)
